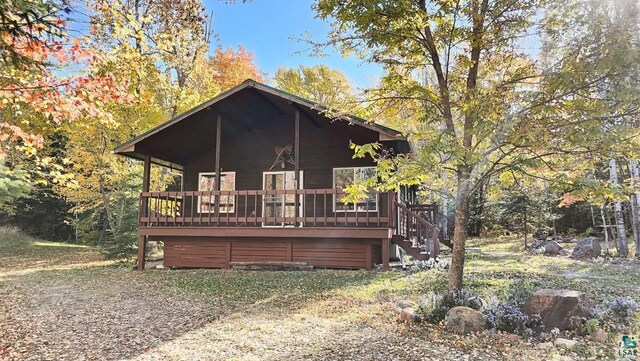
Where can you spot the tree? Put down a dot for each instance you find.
(35, 98)
(26, 24)
(486, 106)
(231, 67)
(319, 83)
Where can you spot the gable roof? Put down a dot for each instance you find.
(385, 132)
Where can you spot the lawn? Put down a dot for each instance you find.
(66, 302)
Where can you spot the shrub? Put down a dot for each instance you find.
(453, 299)
(619, 312)
(431, 263)
(509, 317)
(519, 291)
(591, 326)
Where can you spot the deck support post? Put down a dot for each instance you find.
(297, 167)
(142, 250)
(144, 211)
(218, 176)
(385, 253)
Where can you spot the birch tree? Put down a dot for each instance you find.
(621, 232)
(634, 202)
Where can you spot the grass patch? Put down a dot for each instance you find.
(329, 302)
(22, 253)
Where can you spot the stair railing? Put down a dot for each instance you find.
(417, 230)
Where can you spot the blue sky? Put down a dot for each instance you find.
(265, 27)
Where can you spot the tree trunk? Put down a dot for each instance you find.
(635, 204)
(621, 239)
(605, 229)
(476, 208)
(460, 230)
(445, 208)
(525, 227)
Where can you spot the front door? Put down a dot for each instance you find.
(278, 206)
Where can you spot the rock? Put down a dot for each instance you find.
(538, 243)
(407, 315)
(490, 332)
(545, 345)
(599, 336)
(513, 337)
(552, 248)
(464, 320)
(405, 304)
(587, 248)
(563, 342)
(563, 253)
(397, 310)
(160, 266)
(558, 307)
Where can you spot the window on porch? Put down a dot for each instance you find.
(206, 183)
(344, 177)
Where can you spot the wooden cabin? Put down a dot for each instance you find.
(283, 165)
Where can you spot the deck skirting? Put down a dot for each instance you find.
(220, 252)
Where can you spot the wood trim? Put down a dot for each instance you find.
(297, 166)
(281, 232)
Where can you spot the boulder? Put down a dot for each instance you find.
(408, 315)
(405, 304)
(545, 345)
(599, 336)
(537, 243)
(558, 307)
(563, 253)
(587, 248)
(552, 249)
(563, 342)
(464, 320)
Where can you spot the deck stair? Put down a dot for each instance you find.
(416, 235)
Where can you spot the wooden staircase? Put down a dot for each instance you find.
(417, 236)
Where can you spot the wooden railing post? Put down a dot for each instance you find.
(218, 176)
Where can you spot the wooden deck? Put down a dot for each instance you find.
(217, 228)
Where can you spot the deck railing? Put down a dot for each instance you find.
(414, 228)
(258, 208)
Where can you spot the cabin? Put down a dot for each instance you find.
(263, 178)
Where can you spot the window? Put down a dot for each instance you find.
(206, 183)
(344, 177)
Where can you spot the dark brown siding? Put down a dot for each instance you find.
(249, 150)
